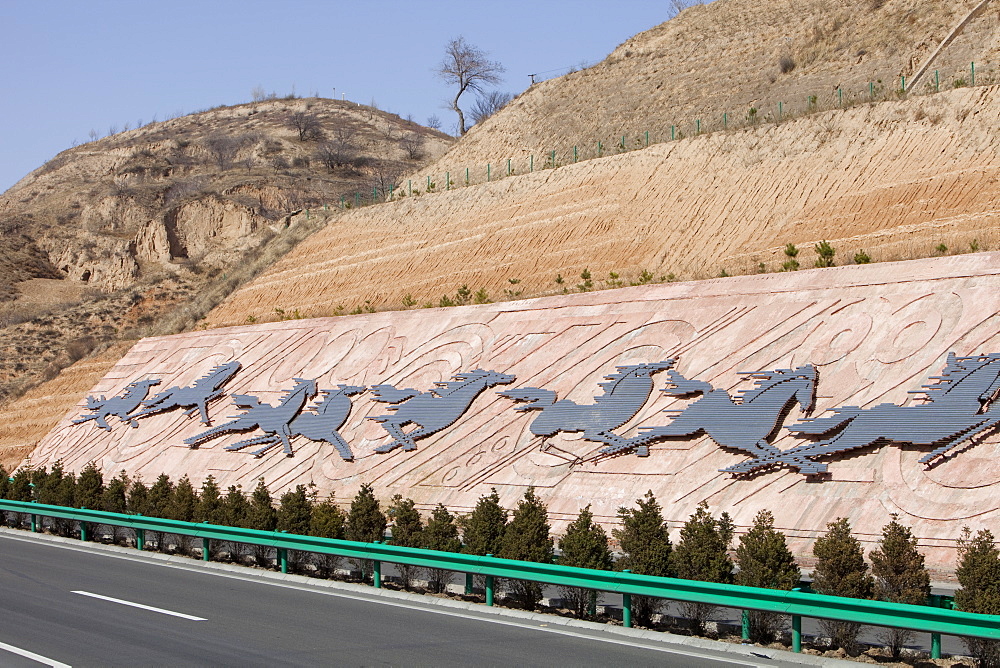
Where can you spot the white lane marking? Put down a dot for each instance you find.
(144, 607)
(34, 657)
(733, 658)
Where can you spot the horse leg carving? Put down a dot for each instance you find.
(401, 438)
(944, 449)
(615, 443)
(343, 448)
(256, 440)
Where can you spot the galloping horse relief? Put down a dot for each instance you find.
(624, 394)
(747, 425)
(274, 421)
(119, 406)
(958, 407)
(431, 411)
(195, 397)
(327, 417)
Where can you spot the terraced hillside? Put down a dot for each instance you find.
(895, 180)
(740, 58)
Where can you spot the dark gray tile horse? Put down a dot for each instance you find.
(958, 406)
(747, 425)
(323, 421)
(102, 408)
(624, 394)
(194, 397)
(274, 421)
(431, 411)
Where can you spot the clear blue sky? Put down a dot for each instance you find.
(69, 67)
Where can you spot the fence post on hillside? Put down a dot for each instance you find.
(902, 83)
(553, 159)
(725, 120)
(531, 162)
(489, 587)
(871, 90)
(697, 126)
(447, 180)
(428, 183)
(647, 137)
(409, 186)
(600, 148)
(627, 607)
(390, 191)
(972, 74)
(466, 176)
(673, 133)
(574, 154)
(357, 200)
(374, 195)
(487, 172)
(840, 96)
(781, 109)
(508, 167)
(937, 81)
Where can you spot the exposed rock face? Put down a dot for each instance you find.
(867, 334)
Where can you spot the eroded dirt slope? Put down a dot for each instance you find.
(735, 57)
(894, 180)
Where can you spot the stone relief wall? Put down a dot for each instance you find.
(871, 334)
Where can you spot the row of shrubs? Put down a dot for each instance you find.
(704, 551)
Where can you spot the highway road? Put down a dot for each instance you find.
(75, 605)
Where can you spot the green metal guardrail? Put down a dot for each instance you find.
(934, 620)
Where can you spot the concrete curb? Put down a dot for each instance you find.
(426, 601)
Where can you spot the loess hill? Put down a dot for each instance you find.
(142, 231)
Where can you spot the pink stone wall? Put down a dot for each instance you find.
(874, 332)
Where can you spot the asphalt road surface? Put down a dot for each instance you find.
(63, 604)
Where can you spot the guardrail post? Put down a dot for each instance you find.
(489, 587)
(745, 626)
(83, 531)
(206, 552)
(627, 607)
(377, 574)
(935, 645)
(796, 633)
(592, 604)
(283, 559)
(34, 523)
(140, 539)
(468, 583)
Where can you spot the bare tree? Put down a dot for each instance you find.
(307, 125)
(675, 7)
(467, 67)
(433, 122)
(258, 93)
(385, 174)
(488, 104)
(223, 149)
(413, 144)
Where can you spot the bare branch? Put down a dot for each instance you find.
(467, 67)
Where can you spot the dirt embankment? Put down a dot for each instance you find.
(740, 58)
(895, 180)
